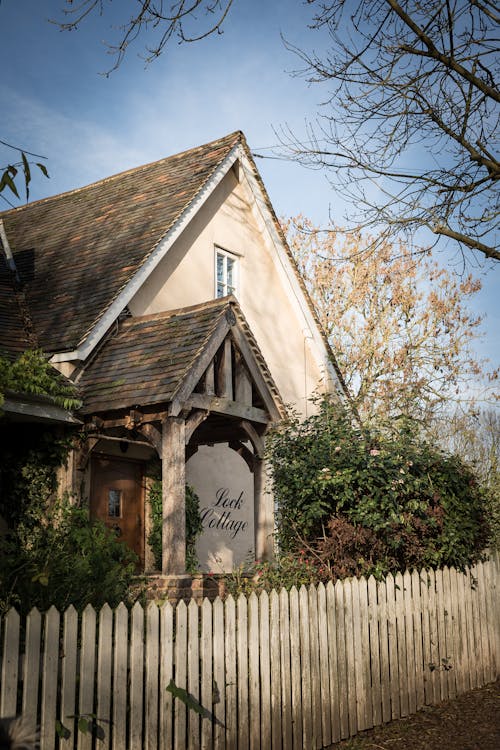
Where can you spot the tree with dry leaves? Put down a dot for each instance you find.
(410, 118)
(398, 323)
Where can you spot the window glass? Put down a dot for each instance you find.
(114, 503)
(226, 273)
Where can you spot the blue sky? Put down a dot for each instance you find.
(56, 102)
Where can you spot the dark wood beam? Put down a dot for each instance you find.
(227, 407)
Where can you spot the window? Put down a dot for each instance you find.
(225, 273)
(114, 503)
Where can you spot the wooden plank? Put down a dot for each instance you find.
(253, 671)
(180, 676)
(464, 673)
(358, 657)
(342, 659)
(265, 671)
(119, 733)
(477, 628)
(210, 380)
(305, 654)
(285, 671)
(449, 624)
(383, 642)
(68, 676)
(365, 653)
(484, 614)
(417, 639)
(350, 658)
(401, 639)
(10, 664)
(333, 667)
(225, 372)
(392, 638)
(275, 656)
(434, 639)
(219, 675)
(136, 661)
(104, 666)
(324, 666)
(231, 675)
(470, 631)
(151, 715)
(441, 630)
(410, 643)
(87, 673)
(242, 653)
(316, 721)
(166, 675)
(295, 669)
(173, 469)
(375, 688)
(457, 645)
(219, 405)
(49, 679)
(206, 652)
(243, 384)
(31, 671)
(491, 570)
(193, 674)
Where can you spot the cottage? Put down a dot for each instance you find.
(168, 295)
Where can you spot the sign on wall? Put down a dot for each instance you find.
(224, 484)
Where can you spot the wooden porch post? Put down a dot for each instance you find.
(263, 516)
(173, 471)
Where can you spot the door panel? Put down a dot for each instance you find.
(116, 498)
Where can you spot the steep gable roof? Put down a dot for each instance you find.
(76, 251)
(150, 358)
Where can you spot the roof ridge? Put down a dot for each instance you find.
(236, 135)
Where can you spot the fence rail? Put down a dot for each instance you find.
(287, 671)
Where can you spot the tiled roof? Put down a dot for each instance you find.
(148, 358)
(14, 337)
(77, 250)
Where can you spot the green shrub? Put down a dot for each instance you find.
(373, 501)
(63, 559)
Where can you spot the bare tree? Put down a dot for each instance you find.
(167, 19)
(409, 80)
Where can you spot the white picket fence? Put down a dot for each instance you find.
(287, 671)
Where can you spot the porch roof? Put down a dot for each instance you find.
(150, 358)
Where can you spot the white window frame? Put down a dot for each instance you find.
(225, 254)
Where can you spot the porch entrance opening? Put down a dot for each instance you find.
(117, 499)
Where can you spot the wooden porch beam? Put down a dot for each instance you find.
(225, 373)
(227, 407)
(256, 440)
(193, 422)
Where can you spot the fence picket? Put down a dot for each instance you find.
(253, 671)
(417, 639)
(136, 676)
(449, 624)
(333, 663)
(401, 637)
(152, 668)
(120, 678)
(383, 640)
(358, 675)
(219, 675)
(31, 670)
(68, 675)
(434, 640)
(49, 679)
(104, 665)
(470, 630)
(305, 653)
(365, 652)
(275, 655)
(441, 629)
(193, 656)
(231, 676)
(316, 739)
(242, 648)
(410, 642)
(374, 685)
(295, 665)
(206, 652)
(324, 670)
(265, 671)
(166, 675)
(10, 664)
(285, 669)
(342, 659)
(180, 676)
(392, 638)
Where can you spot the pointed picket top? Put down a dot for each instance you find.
(252, 599)
(321, 587)
(229, 599)
(242, 601)
(274, 597)
(167, 608)
(34, 611)
(181, 608)
(294, 591)
(69, 612)
(105, 611)
(87, 612)
(152, 610)
(330, 587)
(371, 580)
(206, 606)
(263, 598)
(339, 586)
(137, 606)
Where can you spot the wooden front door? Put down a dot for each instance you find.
(117, 498)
